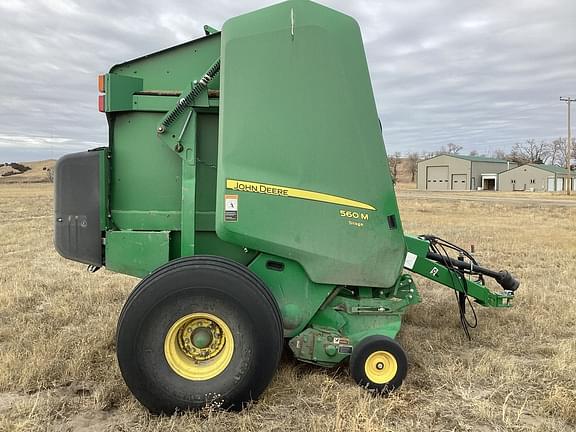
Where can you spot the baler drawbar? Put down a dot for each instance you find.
(247, 184)
(425, 259)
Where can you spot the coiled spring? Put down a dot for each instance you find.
(189, 98)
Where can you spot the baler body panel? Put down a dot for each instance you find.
(146, 176)
(173, 68)
(300, 147)
(145, 182)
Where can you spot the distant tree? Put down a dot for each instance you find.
(499, 154)
(557, 151)
(412, 160)
(452, 148)
(474, 153)
(50, 174)
(394, 162)
(529, 152)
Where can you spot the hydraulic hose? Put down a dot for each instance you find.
(504, 278)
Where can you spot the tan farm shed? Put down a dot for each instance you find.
(535, 178)
(459, 172)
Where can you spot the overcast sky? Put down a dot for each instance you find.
(482, 74)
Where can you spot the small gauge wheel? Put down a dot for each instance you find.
(378, 364)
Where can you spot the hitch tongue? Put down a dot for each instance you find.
(504, 278)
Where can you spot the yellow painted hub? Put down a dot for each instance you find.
(199, 346)
(381, 367)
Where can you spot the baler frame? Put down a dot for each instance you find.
(242, 291)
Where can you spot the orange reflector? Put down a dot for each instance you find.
(101, 83)
(101, 103)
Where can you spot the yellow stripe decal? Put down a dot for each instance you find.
(267, 189)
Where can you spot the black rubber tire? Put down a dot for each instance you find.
(199, 284)
(361, 353)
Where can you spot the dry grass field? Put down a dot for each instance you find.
(57, 322)
(37, 174)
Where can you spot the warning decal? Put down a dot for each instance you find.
(410, 261)
(230, 208)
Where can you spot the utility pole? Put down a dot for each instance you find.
(568, 100)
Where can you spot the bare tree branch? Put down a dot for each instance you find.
(530, 152)
(413, 160)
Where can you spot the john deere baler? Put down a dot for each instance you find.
(246, 182)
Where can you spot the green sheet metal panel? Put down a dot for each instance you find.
(137, 253)
(206, 160)
(208, 243)
(297, 296)
(174, 68)
(300, 148)
(145, 176)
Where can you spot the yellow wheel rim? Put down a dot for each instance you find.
(381, 367)
(199, 346)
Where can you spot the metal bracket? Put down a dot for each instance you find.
(210, 30)
(172, 128)
(179, 147)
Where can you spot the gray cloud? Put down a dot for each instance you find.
(481, 74)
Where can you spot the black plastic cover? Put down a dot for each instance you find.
(77, 234)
